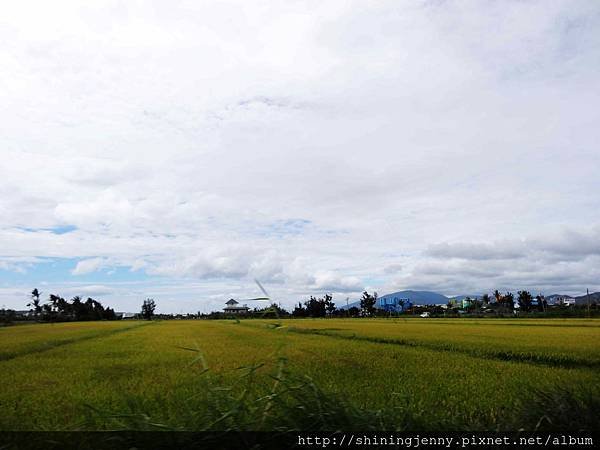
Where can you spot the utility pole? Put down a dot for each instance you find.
(588, 302)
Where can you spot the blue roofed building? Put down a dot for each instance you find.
(394, 304)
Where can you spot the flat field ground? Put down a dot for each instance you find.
(491, 374)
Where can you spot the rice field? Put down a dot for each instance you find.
(453, 374)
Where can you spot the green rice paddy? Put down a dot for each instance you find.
(332, 373)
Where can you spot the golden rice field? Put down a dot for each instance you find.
(289, 374)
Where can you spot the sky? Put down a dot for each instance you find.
(179, 149)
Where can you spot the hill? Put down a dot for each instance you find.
(552, 299)
(583, 299)
(463, 296)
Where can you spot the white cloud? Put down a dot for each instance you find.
(93, 290)
(329, 146)
(18, 264)
(89, 265)
(332, 282)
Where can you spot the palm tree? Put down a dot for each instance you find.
(36, 308)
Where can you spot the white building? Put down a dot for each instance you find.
(234, 308)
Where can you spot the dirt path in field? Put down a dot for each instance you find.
(49, 345)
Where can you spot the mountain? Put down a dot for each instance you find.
(552, 299)
(462, 297)
(416, 298)
(583, 299)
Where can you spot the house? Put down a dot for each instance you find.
(565, 301)
(234, 308)
(125, 315)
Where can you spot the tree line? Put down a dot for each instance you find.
(507, 301)
(57, 309)
(325, 307)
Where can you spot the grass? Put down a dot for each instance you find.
(26, 339)
(300, 374)
(570, 343)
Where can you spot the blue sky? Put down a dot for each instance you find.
(179, 150)
(53, 270)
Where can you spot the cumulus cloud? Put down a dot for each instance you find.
(89, 265)
(562, 260)
(569, 243)
(332, 282)
(565, 244)
(93, 290)
(347, 144)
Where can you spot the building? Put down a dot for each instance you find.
(565, 301)
(125, 315)
(234, 308)
(394, 304)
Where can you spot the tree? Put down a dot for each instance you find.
(59, 309)
(299, 311)
(367, 304)
(353, 311)
(498, 296)
(329, 305)
(109, 314)
(542, 304)
(315, 307)
(148, 308)
(35, 306)
(509, 301)
(474, 305)
(46, 311)
(525, 300)
(485, 298)
(79, 308)
(7, 316)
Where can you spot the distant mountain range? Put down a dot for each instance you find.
(462, 297)
(579, 300)
(434, 298)
(583, 299)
